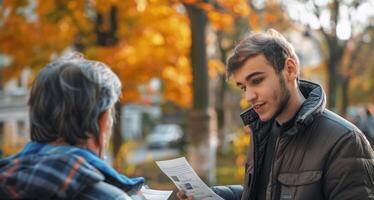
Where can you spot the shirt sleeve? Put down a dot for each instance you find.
(102, 190)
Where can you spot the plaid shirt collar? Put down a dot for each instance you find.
(57, 170)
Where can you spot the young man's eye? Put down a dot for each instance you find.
(257, 81)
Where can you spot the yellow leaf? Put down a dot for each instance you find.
(244, 103)
(215, 67)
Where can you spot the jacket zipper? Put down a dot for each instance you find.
(255, 163)
(272, 167)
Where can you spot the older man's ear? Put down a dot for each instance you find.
(105, 126)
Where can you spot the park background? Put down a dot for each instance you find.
(170, 56)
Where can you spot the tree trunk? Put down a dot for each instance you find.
(332, 83)
(202, 150)
(220, 96)
(241, 27)
(221, 123)
(347, 76)
(107, 37)
(333, 66)
(345, 95)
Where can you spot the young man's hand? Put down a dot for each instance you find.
(182, 196)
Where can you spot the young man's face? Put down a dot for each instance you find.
(263, 88)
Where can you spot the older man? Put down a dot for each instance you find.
(71, 115)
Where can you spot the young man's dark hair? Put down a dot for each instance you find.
(299, 149)
(272, 45)
(71, 115)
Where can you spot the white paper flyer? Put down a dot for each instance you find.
(186, 179)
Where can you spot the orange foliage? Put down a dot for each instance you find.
(241, 143)
(253, 20)
(32, 42)
(238, 7)
(215, 67)
(152, 35)
(220, 20)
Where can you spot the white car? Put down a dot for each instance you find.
(165, 135)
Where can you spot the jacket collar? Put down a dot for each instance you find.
(130, 185)
(314, 104)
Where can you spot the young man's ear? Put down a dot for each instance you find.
(291, 69)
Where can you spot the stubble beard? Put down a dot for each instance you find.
(284, 98)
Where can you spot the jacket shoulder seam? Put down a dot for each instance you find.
(345, 126)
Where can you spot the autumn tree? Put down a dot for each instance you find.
(206, 17)
(338, 22)
(230, 23)
(358, 70)
(201, 152)
(140, 40)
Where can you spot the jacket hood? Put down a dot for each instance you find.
(314, 104)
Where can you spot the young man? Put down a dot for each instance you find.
(71, 116)
(299, 149)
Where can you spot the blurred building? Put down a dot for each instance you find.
(14, 119)
(133, 120)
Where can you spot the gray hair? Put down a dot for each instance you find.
(271, 44)
(67, 98)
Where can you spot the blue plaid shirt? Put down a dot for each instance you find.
(43, 171)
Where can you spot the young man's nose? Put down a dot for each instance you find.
(250, 95)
